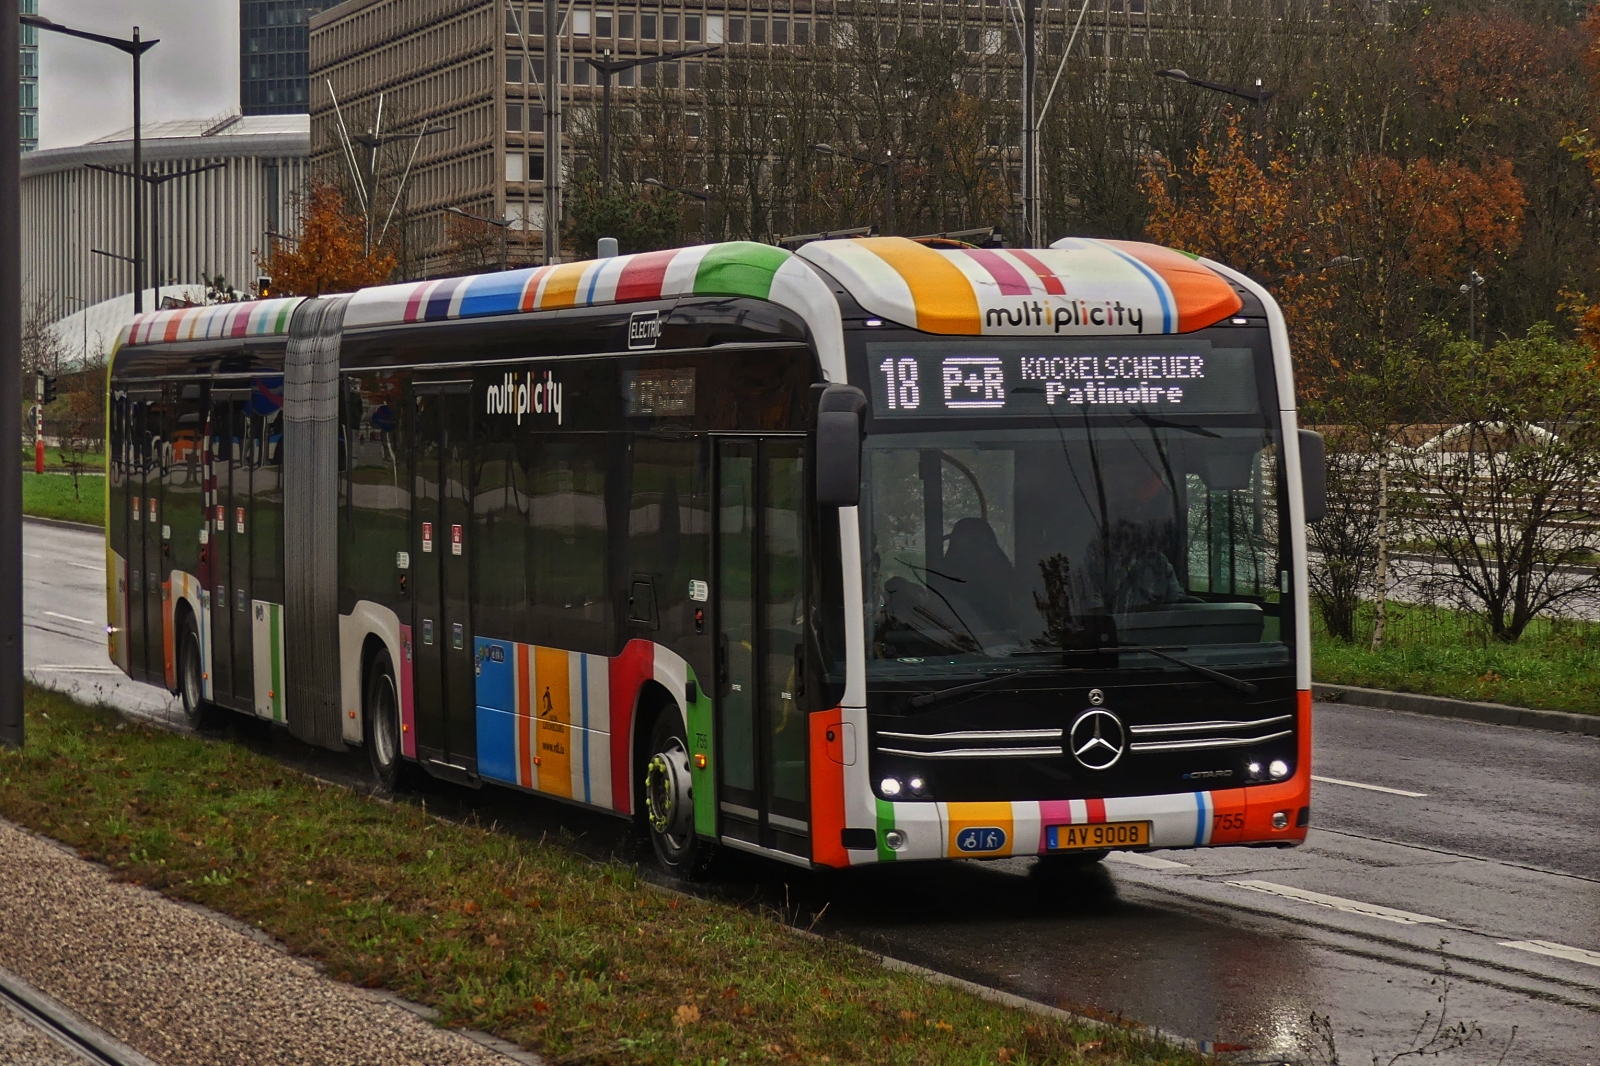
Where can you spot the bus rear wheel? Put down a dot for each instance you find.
(381, 727)
(668, 792)
(191, 679)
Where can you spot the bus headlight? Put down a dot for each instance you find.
(917, 785)
(1278, 769)
(889, 786)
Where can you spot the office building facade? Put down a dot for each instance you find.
(28, 90)
(273, 39)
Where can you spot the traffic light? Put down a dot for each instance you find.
(48, 394)
(263, 286)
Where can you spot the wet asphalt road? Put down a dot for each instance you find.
(1497, 861)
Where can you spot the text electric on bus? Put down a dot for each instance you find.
(873, 552)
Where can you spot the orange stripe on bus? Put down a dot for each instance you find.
(562, 288)
(942, 294)
(1203, 297)
(827, 790)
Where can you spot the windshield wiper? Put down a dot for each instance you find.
(927, 698)
(1225, 680)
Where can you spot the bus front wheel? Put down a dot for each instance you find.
(382, 725)
(668, 793)
(191, 680)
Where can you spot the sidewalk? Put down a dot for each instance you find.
(184, 987)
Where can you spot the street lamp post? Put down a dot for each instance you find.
(503, 223)
(135, 47)
(11, 717)
(1469, 289)
(605, 66)
(886, 165)
(705, 199)
(155, 181)
(1257, 96)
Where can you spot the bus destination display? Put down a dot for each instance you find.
(953, 380)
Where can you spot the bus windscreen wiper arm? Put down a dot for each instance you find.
(955, 690)
(1225, 680)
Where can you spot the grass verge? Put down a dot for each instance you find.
(1440, 652)
(581, 962)
(51, 496)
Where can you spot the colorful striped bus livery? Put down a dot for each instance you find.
(869, 552)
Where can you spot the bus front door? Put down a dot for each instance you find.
(760, 611)
(445, 683)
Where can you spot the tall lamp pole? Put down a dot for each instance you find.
(11, 727)
(135, 47)
(606, 67)
(886, 165)
(1030, 129)
(705, 199)
(1257, 96)
(155, 181)
(552, 131)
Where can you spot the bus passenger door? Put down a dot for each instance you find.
(152, 460)
(760, 618)
(443, 676)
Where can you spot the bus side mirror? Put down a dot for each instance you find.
(1313, 474)
(839, 412)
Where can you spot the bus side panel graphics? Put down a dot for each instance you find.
(541, 718)
(266, 648)
(702, 771)
(181, 587)
(117, 609)
(986, 829)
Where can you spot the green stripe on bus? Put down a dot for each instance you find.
(702, 739)
(885, 823)
(282, 324)
(741, 268)
(277, 662)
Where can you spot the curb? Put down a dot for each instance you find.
(61, 523)
(1469, 710)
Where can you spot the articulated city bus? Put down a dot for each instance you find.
(872, 552)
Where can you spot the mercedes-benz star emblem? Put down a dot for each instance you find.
(1097, 739)
(1096, 697)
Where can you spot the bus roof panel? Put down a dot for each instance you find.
(1076, 287)
(251, 318)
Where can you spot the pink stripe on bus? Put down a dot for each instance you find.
(1052, 284)
(1008, 277)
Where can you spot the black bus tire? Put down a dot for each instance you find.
(380, 708)
(191, 678)
(668, 801)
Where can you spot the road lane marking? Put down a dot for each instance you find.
(70, 618)
(1560, 951)
(64, 668)
(1145, 862)
(1338, 903)
(87, 566)
(1370, 788)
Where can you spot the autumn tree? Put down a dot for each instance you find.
(331, 255)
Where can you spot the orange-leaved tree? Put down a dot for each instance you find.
(331, 254)
(1268, 224)
(1416, 230)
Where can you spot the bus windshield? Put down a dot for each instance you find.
(1015, 542)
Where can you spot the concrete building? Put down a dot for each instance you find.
(28, 90)
(273, 37)
(477, 67)
(201, 226)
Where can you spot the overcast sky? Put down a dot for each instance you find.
(86, 90)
